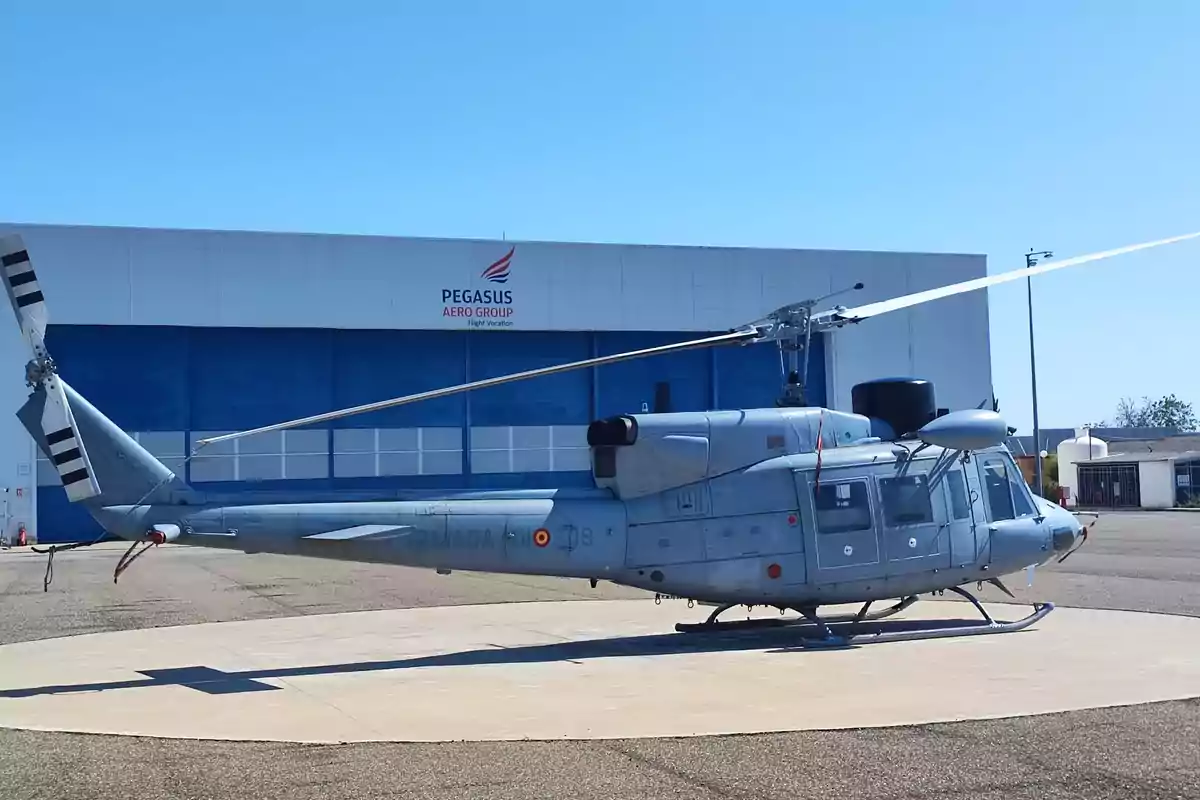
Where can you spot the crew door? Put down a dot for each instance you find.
(840, 511)
(968, 540)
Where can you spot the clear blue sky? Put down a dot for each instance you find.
(956, 126)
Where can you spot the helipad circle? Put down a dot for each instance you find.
(575, 670)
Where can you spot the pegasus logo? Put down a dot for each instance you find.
(499, 269)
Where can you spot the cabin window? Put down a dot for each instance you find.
(995, 481)
(959, 507)
(842, 507)
(906, 501)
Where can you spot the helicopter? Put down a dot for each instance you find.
(791, 507)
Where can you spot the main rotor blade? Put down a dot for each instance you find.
(839, 317)
(733, 337)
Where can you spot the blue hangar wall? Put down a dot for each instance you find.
(170, 385)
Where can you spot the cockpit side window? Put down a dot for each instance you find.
(842, 507)
(1021, 493)
(1009, 497)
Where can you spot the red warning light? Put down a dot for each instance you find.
(774, 571)
(791, 519)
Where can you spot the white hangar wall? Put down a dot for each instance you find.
(107, 284)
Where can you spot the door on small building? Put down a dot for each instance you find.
(1109, 486)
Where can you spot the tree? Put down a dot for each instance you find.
(1165, 412)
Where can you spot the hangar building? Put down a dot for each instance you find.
(179, 334)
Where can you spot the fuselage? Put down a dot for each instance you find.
(777, 532)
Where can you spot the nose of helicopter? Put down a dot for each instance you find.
(1069, 532)
(1065, 537)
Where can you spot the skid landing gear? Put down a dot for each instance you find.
(847, 629)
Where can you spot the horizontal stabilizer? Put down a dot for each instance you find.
(361, 533)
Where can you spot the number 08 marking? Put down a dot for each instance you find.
(541, 537)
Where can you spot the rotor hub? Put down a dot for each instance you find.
(38, 369)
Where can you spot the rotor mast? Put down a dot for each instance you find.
(798, 318)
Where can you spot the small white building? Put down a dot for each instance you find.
(1139, 480)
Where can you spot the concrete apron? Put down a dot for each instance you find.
(576, 670)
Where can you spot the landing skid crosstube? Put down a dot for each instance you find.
(848, 629)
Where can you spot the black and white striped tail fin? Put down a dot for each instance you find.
(65, 444)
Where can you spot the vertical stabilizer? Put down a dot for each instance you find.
(122, 469)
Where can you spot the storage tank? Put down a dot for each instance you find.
(1070, 453)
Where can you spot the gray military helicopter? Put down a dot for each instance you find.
(790, 507)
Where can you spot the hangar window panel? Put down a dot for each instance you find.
(399, 440)
(217, 448)
(213, 468)
(377, 452)
(441, 439)
(354, 440)
(531, 438)
(305, 442)
(842, 507)
(569, 436)
(305, 467)
(519, 449)
(572, 459)
(163, 444)
(259, 468)
(485, 461)
(441, 462)
(306, 454)
(270, 443)
(354, 465)
(531, 460)
(906, 501)
(400, 463)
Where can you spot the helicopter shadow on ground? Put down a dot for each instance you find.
(791, 638)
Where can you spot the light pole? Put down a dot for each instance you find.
(1030, 259)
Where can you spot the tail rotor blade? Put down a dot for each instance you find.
(67, 452)
(24, 292)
